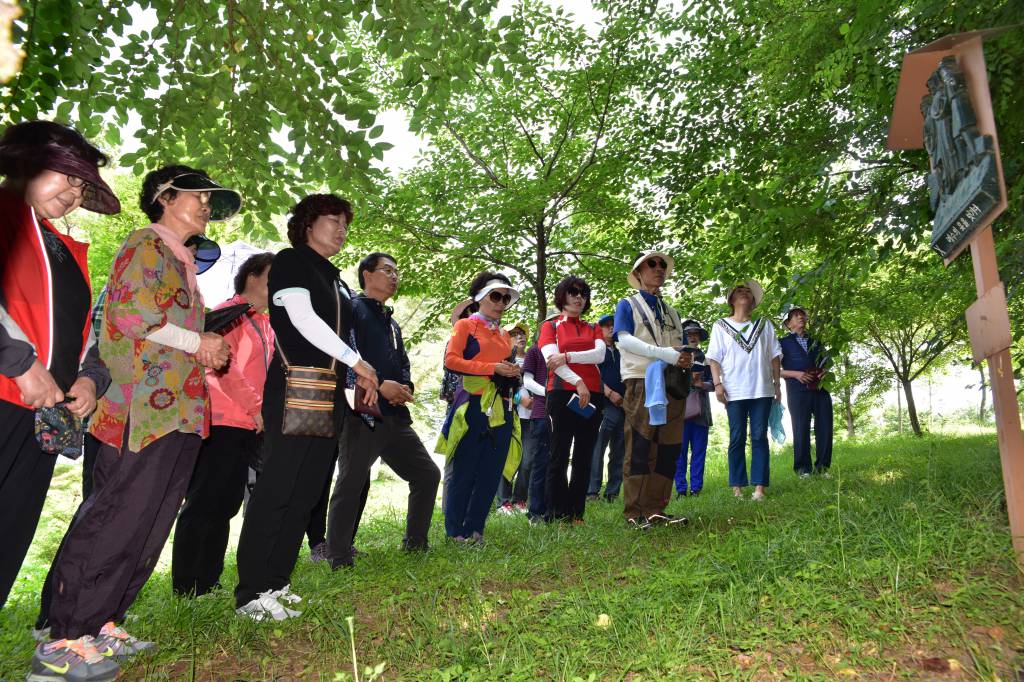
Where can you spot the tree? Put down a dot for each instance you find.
(540, 169)
(914, 324)
(782, 116)
(220, 84)
(859, 380)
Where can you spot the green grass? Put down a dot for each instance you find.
(903, 556)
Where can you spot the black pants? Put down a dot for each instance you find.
(90, 452)
(287, 491)
(115, 540)
(397, 444)
(214, 497)
(803, 405)
(571, 434)
(25, 473)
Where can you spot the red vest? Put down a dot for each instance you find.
(25, 280)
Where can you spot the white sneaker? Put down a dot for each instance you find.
(804, 474)
(266, 607)
(826, 474)
(757, 496)
(285, 595)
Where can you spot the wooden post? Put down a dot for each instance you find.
(987, 319)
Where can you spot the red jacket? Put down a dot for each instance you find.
(25, 280)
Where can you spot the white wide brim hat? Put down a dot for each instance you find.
(755, 289)
(632, 278)
(495, 284)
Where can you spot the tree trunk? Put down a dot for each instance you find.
(899, 408)
(908, 390)
(850, 426)
(981, 408)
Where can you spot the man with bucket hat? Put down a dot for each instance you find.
(649, 331)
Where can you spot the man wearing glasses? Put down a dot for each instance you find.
(391, 437)
(649, 330)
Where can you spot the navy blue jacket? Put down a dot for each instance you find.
(610, 371)
(796, 359)
(379, 342)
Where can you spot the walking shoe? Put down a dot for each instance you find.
(667, 520)
(694, 493)
(804, 474)
(266, 607)
(71, 660)
(41, 634)
(285, 595)
(506, 509)
(318, 553)
(639, 523)
(519, 507)
(476, 540)
(592, 497)
(120, 643)
(737, 491)
(757, 496)
(825, 474)
(680, 495)
(578, 522)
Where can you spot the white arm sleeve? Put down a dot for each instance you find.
(300, 313)
(567, 375)
(531, 384)
(176, 337)
(631, 344)
(594, 356)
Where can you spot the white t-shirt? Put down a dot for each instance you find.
(746, 362)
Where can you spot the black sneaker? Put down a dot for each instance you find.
(639, 523)
(694, 493)
(681, 495)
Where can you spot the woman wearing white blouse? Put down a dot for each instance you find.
(745, 358)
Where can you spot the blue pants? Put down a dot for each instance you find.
(476, 470)
(539, 443)
(611, 436)
(695, 438)
(802, 406)
(756, 411)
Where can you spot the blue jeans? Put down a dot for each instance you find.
(476, 469)
(756, 410)
(539, 443)
(695, 438)
(612, 435)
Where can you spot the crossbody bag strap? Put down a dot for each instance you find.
(337, 325)
(263, 342)
(640, 304)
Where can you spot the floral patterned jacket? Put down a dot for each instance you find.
(156, 389)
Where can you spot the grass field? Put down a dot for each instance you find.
(899, 567)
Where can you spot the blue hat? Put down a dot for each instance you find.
(605, 318)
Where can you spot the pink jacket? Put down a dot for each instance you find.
(236, 394)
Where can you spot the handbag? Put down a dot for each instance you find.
(693, 406)
(59, 432)
(309, 393)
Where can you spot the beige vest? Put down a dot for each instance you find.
(666, 335)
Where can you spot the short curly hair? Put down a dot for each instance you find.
(572, 282)
(23, 148)
(311, 207)
(149, 204)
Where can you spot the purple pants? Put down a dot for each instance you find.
(115, 540)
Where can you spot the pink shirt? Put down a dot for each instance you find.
(236, 394)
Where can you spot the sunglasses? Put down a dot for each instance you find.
(657, 263)
(77, 182)
(499, 298)
(573, 291)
